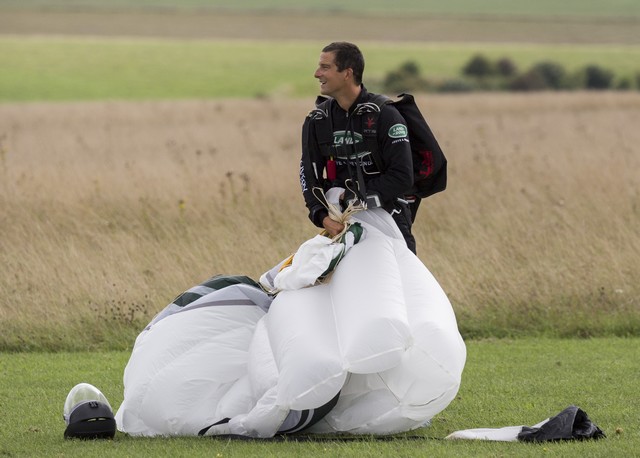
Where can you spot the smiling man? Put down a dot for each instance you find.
(353, 141)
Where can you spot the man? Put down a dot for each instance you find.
(345, 160)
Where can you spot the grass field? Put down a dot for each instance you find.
(115, 197)
(92, 50)
(459, 7)
(505, 383)
(97, 69)
(464, 21)
(110, 209)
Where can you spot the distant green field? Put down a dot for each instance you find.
(74, 68)
(624, 8)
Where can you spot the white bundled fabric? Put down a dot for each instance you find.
(302, 334)
(262, 416)
(305, 356)
(381, 333)
(367, 301)
(313, 259)
(309, 263)
(428, 376)
(183, 364)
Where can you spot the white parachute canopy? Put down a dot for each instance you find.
(373, 349)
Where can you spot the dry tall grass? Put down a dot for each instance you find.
(303, 25)
(108, 210)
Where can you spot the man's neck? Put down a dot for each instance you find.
(347, 99)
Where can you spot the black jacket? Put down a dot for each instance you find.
(387, 180)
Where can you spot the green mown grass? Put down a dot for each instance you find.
(39, 68)
(505, 383)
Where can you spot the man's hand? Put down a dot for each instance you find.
(332, 227)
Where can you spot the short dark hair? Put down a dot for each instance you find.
(347, 55)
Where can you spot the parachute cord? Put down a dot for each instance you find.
(355, 191)
(349, 133)
(335, 214)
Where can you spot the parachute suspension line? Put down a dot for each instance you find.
(360, 191)
(336, 214)
(347, 184)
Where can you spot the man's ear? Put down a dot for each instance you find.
(348, 73)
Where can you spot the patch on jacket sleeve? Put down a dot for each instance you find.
(398, 131)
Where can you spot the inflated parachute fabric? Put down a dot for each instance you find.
(374, 349)
(189, 357)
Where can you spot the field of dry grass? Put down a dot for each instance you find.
(110, 209)
(323, 26)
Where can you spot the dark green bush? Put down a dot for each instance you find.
(624, 84)
(482, 74)
(410, 68)
(533, 80)
(596, 77)
(505, 67)
(479, 67)
(553, 74)
(405, 79)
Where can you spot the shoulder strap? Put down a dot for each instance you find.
(380, 100)
(321, 117)
(369, 113)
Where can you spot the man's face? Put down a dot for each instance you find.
(331, 80)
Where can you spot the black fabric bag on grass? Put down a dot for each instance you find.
(571, 423)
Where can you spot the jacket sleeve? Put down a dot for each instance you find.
(395, 153)
(311, 169)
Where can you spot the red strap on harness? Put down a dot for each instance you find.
(331, 169)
